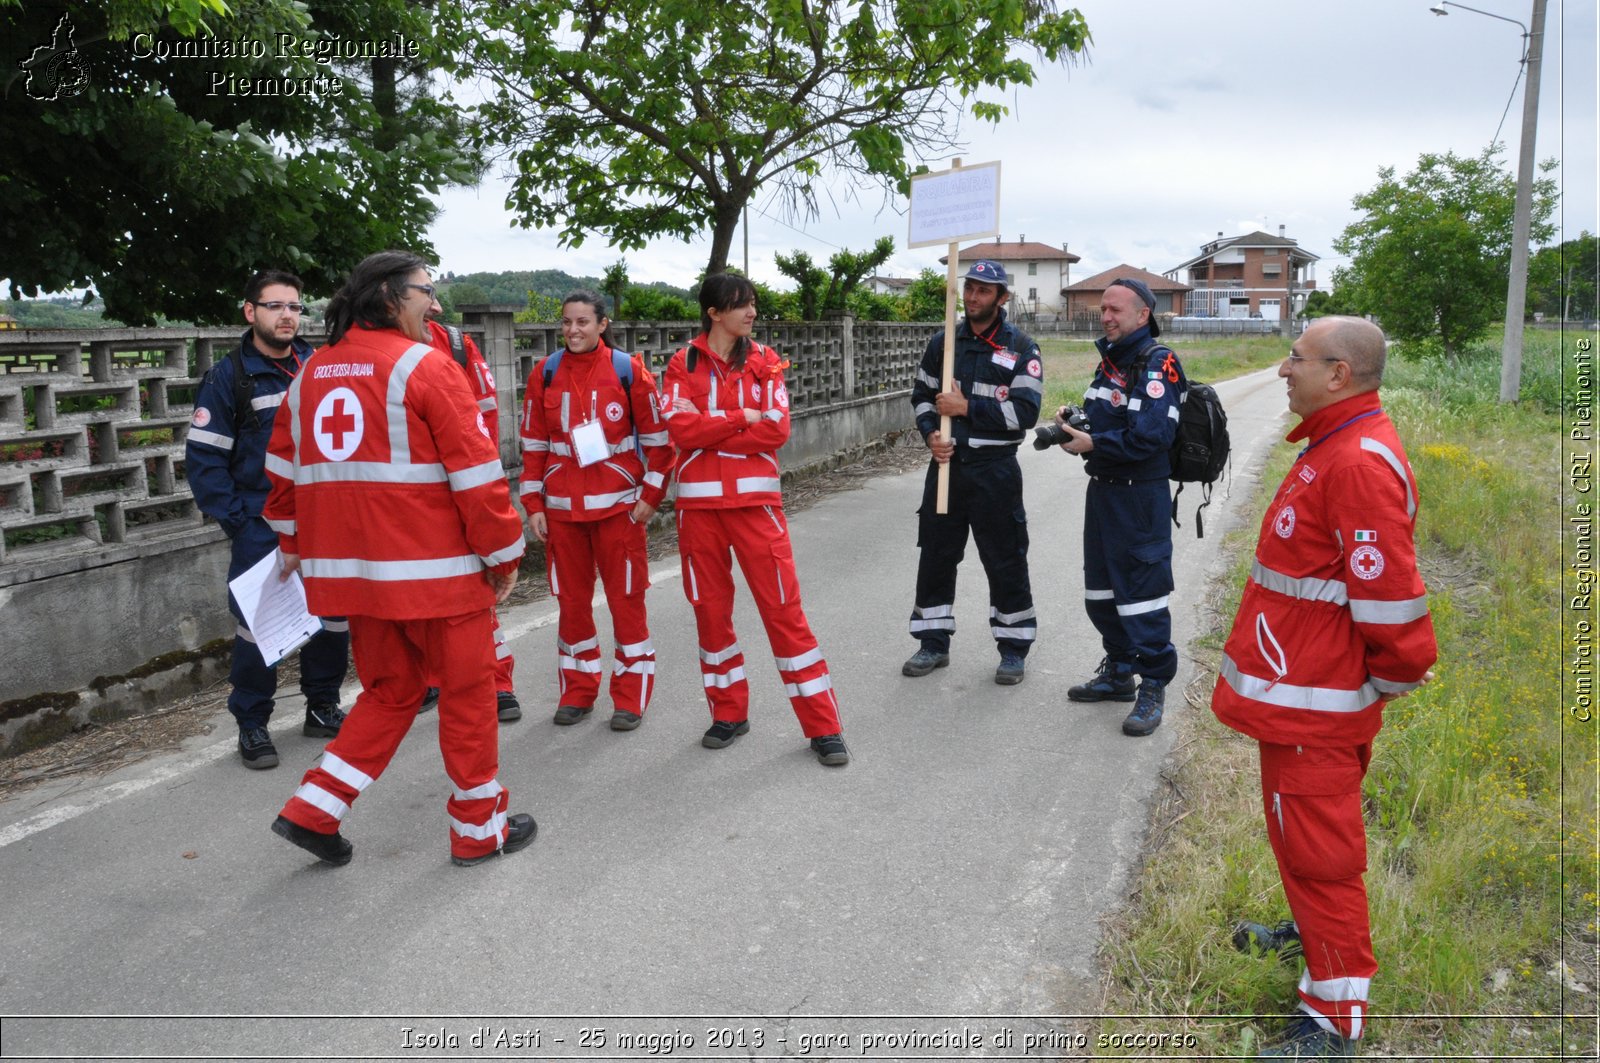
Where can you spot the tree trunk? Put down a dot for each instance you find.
(727, 223)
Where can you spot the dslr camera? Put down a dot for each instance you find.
(1049, 435)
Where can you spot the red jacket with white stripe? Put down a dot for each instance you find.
(479, 377)
(585, 387)
(1334, 618)
(387, 482)
(724, 462)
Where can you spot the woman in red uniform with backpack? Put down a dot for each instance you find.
(595, 461)
(728, 413)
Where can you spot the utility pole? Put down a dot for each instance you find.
(1517, 288)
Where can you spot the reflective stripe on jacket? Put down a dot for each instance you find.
(724, 461)
(586, 387)
(386, 480)
(1335, 615)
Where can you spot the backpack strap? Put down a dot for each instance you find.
(458, 345)
(550, 365)
(244, 393)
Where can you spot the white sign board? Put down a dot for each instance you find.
(954, 205)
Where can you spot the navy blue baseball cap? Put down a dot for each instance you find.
(1146, 296)
(987, 271)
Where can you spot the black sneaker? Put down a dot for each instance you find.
(1009, 674)
(924, 661)
(622, 720)
(507, 706)
(430, 701)
(723, 733)
(830, 750)
(520, 831)
(329, 848)
(1257, 939)
(323, 719)
(256, 748)
(1306, 1039)
(566, 715)
(1106, 685)
(1146, 714)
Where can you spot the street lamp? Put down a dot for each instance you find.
(1517, 288)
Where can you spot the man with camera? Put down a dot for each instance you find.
(998, 383)
(1132, 413)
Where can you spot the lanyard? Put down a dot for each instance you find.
(281, 364)
(588, 381)
(989, 338)
(1319, 440)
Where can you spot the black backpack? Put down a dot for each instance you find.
(1200, 448)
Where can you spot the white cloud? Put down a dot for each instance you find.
(1187, 119)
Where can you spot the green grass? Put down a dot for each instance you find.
(1481, 791)
(1069, 363)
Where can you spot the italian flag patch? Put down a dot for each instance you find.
(1366, 536)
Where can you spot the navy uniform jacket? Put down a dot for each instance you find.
(225, 454)
(1002, 377)
(1133, 421)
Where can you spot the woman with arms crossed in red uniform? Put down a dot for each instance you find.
(728, 413)
(595, 461)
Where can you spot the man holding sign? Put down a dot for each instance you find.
(994, 398)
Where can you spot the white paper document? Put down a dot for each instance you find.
(274, 609)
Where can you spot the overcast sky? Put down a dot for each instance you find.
(1186, 119)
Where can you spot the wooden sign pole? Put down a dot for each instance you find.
(947, 378)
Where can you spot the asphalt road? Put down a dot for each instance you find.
(948, 884)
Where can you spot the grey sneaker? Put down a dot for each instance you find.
(830, 749)
(323, 720)
(567, 715)
(1308, 1040)
(506, 706)
(1146, 714)
(1009, 673)
(622, 720)
(1257, 939)
(722, 733)
(1106, 684)
(256, 748)
(924, 661)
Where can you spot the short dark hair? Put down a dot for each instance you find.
(267, 277)
(372, 292)
(723, 292)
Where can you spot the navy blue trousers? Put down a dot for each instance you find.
(985, 497)
(1127, 575)
(324, 660)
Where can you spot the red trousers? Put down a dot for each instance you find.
(392, 658)
(615, 547)
(504, 663)
(1312, 799)
(759, 537)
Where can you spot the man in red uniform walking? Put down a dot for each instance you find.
(480, 379)
(1333, 624)
(388, 496)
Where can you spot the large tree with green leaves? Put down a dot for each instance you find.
(635, 119)
(167, 175)
(1430, 255)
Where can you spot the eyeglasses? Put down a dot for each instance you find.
(425, 289)
(278, 306)
(1295, 359)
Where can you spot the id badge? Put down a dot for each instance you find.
(589, 443)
